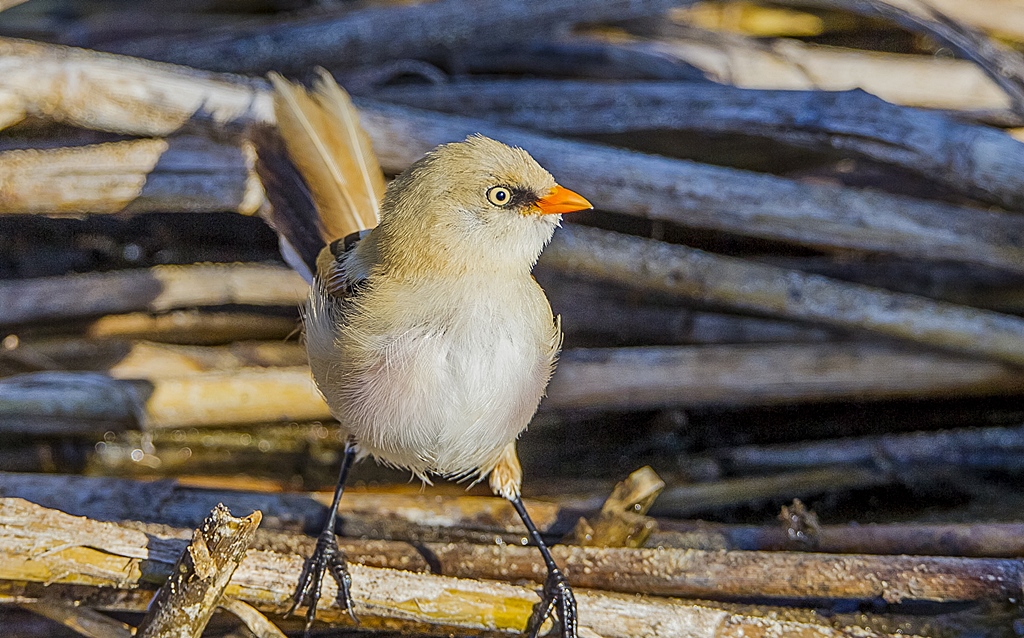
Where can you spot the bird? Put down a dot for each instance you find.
(426, 333)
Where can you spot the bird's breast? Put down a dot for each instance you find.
(440, 380)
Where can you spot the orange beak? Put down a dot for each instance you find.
(562, 200)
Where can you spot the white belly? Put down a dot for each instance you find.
(445, 393)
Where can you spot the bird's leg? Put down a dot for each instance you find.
(327, 556)
(557, 595)
(506, 479)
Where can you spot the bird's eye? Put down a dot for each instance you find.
(499, 195)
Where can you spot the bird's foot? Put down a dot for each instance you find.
(326, 556)
(557, 596)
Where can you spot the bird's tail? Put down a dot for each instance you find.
(321, 176)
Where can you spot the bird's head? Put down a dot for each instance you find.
(473, 205)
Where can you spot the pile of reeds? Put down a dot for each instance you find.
(804, 278)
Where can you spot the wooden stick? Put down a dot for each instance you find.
(86, 554)
(979, 448)
(192, 327)
(637, 184)
(661, 571)
(981, 540)
(254, 621)
(977, 160)
(124, 95)
(202, 399)
(1002, 19)
(371, 514)
(124, 359)
(235, 397)
(998, 17)
(162, 288)
(564, 58)
(591, 308)
(1001, 63)
(686, 500)
(350, 39)
(84, 621)
(911, 80)
(965, 284)
(710, 278)
(7, 4)
(185, 603)
(138, 176)
(724, 575)
(156, 289)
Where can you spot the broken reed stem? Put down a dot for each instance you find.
(739, 283)
(184, 604)
(81, 558)
(622, 521)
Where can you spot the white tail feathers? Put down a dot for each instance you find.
(324, 140)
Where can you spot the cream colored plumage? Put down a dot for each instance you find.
(429, 338)
(441, 360)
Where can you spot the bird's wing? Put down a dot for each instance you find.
(318, 167)
(332, 273)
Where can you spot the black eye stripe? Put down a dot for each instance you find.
(520, 197)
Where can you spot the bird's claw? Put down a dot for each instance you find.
(326, 556)
(557, 596)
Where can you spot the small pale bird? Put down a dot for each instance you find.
(428, 336)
